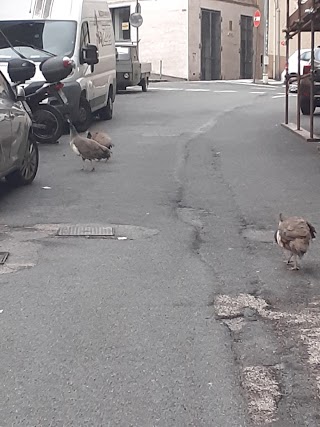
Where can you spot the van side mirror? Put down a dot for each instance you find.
(90, 55)
(20, 96)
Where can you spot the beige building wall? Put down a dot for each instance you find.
(171, 33)
(277, 14)
(230, 40)
(163, 34)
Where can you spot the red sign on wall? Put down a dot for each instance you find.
(257, 18)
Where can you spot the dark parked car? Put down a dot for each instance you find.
(19, 155)
(305, 84)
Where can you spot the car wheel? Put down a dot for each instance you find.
(106, 113)
(85, 115)
(144, 85)
(305, 107)
(29, 167)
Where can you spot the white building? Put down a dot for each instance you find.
(194, 39)
(277, 48)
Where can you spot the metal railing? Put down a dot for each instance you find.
(305, 19)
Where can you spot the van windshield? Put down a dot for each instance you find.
(123, 53)
(30, 38)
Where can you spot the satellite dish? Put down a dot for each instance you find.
(136, 20)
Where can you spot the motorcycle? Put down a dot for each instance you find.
(47, 121)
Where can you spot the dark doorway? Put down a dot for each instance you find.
(210, 45)
(121, 24)
(246, 48)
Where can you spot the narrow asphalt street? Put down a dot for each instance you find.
(193, 320)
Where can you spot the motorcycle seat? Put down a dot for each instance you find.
(33, 87)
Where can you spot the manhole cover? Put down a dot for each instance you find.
(85, 231)
(3, 257)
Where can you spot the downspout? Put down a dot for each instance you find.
(279, 42)
(266, 17)
(274, 72)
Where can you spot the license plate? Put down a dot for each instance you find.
(63, 96)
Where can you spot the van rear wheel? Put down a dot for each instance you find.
(144, 84)
(85, 115)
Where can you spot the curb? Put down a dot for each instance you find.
(273, 84)
(158, 80)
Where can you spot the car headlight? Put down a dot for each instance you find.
(126, 75)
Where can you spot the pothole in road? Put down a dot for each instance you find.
(301, 327)
(85, 231)
(25, 243)
(112, 231)
(262, 389)
(23, 252)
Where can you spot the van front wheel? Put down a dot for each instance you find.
(85, 115)
(106, 113)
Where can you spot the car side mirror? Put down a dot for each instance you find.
(21, 96)
(90, 55)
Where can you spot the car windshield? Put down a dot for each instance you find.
(123, 53)
(33, 38)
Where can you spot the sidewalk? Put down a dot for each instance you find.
(155, 78)
(271, 82)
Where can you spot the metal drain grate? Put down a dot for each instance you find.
(3, 257)
(85, 231)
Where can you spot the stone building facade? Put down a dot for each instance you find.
(195, 39)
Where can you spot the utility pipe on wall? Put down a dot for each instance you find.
(137, 30)
(278, 43)
(265, 41)
(274, 65)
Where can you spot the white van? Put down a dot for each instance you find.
(80, 29)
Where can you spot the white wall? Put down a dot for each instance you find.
(273, 47)
(163, 34)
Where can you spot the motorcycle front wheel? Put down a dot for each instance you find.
(47, 124)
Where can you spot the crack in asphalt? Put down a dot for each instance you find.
(195, 217)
